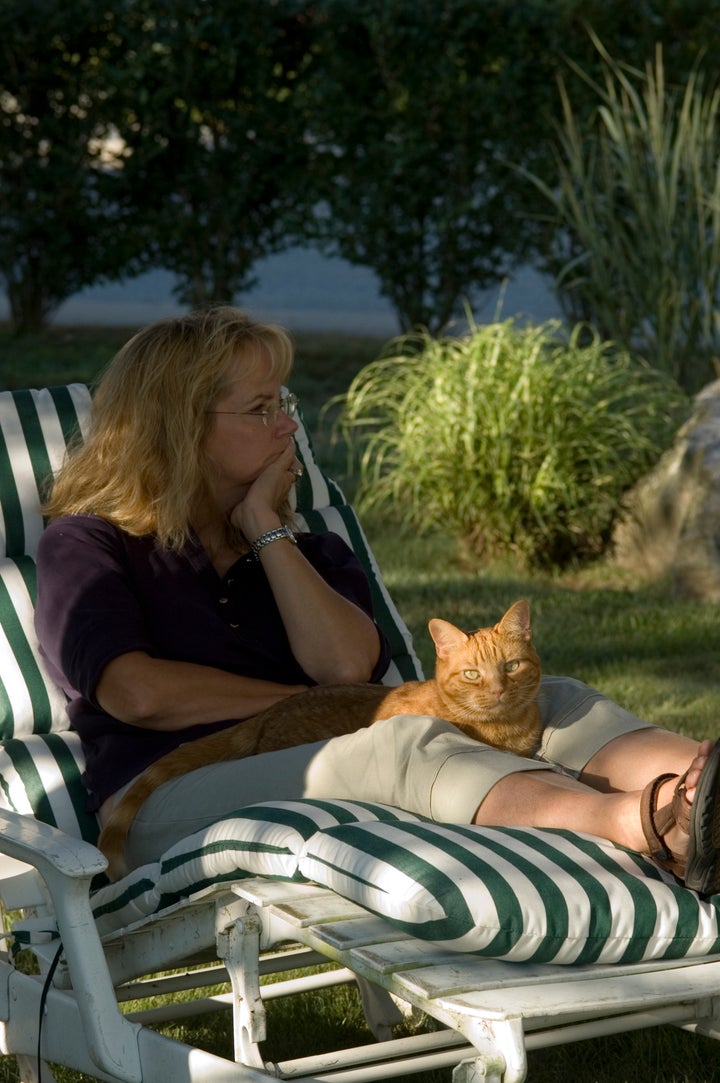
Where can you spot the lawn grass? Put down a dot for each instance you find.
(656, 654)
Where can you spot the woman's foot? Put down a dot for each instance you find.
(681, 821)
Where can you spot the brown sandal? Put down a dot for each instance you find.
(655, 824)
(700, 871)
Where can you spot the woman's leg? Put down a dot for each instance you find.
(202, 797)
(540, 799)
(631, 761)
(421, 764)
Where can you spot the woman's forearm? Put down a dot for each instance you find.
(333, 640)
(157, 694)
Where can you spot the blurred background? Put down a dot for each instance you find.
(365, 165)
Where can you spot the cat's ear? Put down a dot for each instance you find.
(516, 621)
(445, 636)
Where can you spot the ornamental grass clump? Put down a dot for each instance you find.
(518, 439)
(637, 199)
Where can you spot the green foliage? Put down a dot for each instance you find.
(638, 202)
(216, 163)
(62, 223)
(202, 137)
(418, 110)
(519, 439)
(415, 109)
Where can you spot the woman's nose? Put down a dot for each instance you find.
(285, 423)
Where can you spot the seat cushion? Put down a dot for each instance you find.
(266, 839)
(518, 894)
(514, 894)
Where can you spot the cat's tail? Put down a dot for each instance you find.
(112, 837)
(240, 740)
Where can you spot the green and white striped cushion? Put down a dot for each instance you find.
(314, 489)
(404, 664)
(266, 839)
(40, 777)
(521, 895)
(320, 505)
(131, 899)
(35, 429)
(29, 700)
(516, 894)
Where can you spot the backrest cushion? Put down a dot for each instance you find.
(40, 777)
(404, 663)
(319, 504)
(35, 429)
(30, 702)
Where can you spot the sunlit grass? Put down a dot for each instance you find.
(656, 654)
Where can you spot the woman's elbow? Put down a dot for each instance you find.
(354, 668)
(125, 692)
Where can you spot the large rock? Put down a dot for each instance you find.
(670, 526)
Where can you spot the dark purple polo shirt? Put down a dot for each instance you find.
(102, 593)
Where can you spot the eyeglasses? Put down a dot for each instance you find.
(286, 404)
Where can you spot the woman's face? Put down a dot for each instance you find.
(248, 431)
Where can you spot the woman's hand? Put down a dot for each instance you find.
(258, 512)
(333, 640)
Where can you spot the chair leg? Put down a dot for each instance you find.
(481, 1070)
(32, 1071)
(501, 1052)
(381, 1011)
(238, 945)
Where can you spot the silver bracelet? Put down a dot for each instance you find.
(271, 536)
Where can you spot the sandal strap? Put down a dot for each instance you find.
(680, 805)
(656, 822)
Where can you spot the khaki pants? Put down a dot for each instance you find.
(421, 764)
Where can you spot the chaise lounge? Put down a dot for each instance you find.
(509, 939)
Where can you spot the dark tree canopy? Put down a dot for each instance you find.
(62, 224)
(202, 136)
(217, 159)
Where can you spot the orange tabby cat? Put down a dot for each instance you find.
(485, 683)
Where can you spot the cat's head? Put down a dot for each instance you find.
(493, 669)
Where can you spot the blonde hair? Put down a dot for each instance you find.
(142, 466)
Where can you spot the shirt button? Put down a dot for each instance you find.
(234, 625)
(222, 601)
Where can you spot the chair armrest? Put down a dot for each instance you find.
(50, 851)
(67, 866)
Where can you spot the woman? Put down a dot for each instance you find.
(174, 599)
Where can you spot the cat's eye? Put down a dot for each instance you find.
(471, 674)
(510, 667)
